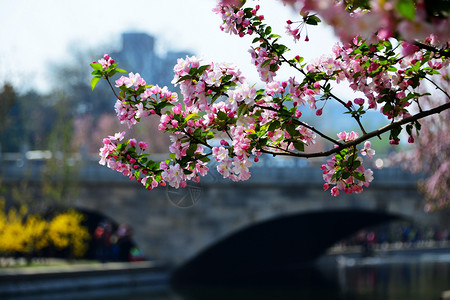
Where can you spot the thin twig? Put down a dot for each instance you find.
(107, 79)
(356, 117)
(438, 87)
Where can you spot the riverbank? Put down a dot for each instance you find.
(85, 280)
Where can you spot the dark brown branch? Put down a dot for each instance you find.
(298, 122)
(369, 135)
(432, 49)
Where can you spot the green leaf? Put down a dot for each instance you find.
(274, 125)
(299, 146)
(221, 115)
(121, 70)
(97, 66)
(407, 9)
(94, 81)
(187, 172)
(205, 159)
(242, 109)
(266, 62)
(191, 150)
(185, 77)
(359, 176)
(190, 116)
(312, 20)
(256, 40)
(202, 69)
(345, 175)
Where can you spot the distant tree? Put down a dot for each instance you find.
(429, 153)
(9, 117)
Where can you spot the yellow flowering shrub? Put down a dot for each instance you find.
(20, 233)
(65, 230)
(11, 229)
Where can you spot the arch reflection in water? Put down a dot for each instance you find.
(262, 253)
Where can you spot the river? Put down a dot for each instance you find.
(413, 277)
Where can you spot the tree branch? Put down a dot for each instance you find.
(298, 122)
(432, 49)
(369, 135)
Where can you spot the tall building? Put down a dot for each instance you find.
(138, 55)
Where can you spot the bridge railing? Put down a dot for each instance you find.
(269, 170)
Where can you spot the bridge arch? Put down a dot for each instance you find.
(279, 244)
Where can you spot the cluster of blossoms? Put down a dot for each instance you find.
(345, 170)
(388, 79)
(199, 82)
(265, 62)
(237, 21)
(411, 20)
(217, 101)
(131, 110)
(106, 61)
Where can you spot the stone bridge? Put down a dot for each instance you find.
(175, 225)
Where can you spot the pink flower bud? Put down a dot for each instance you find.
(319, 112)
(359, 101)
(143, 145)
(132, 142)
(411, 140)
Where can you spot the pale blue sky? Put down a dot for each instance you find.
(36, 32)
